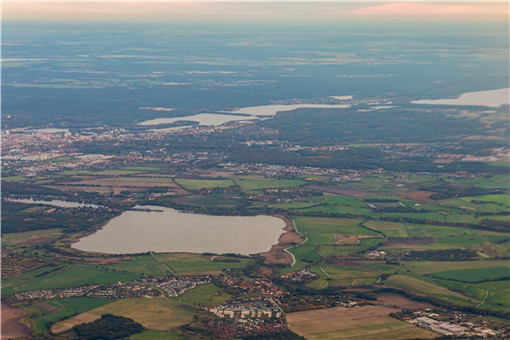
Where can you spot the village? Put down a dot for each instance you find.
(146, 287)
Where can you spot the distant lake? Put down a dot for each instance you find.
(493, 98)
(56, 203)
(271, 110)
(202, 119)
(51, 130)
(169, 230)
(212, 119)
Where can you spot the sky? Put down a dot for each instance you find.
(261, 11)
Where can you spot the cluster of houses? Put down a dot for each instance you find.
(291, 171)
(175, 286)
(259, 285)
(229, 328)
(14, 264)
(117, 290)
(301, 275)
(148, 287)
(248, 309)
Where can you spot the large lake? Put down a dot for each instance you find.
(254, 112)
(493, 98)
(168, 230)
(202, 119)
(271, 110)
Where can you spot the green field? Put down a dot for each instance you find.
(346, 276)
(18, 179)
(137, 179)
(203, 294)
(177, 263)
(389, 229)
(493, 295)
(427, 267)
(75, 172)
(258, 182)
(342, 200)
(68, 277)
(474, 275)
(292, 205)
(116, 172)
(210, 201)
(59, 309)
(321, 231)
(140, 168)
(8, 239)
(422, 286)
(342, 209)
(343, 226)
(326, 251)
(197, 184)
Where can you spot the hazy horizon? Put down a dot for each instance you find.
(246, 12)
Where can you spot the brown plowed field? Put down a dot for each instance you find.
(338, 318)
(11, 328)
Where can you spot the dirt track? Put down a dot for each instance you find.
(289, 238)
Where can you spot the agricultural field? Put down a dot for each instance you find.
(224, 201)
(312, 225)
(46, 313)
(346, 274)
(197, 184)
(165, 264)
(207, 294)
(422, 285)
(342, 200)
(389, 229)
(66, 276)
(18, 179)
(31, 237)
(332, 236)
(158, 314)
(427, 267)
(467, 277)
(367, 322)
(251, 183)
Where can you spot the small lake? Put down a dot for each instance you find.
(493, 98)
(56, 203)
(168, 230)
